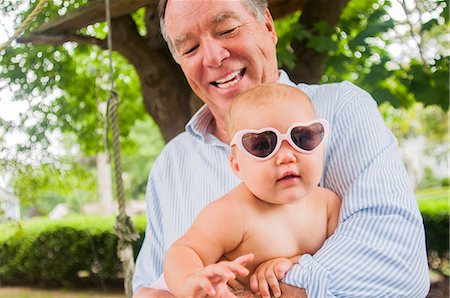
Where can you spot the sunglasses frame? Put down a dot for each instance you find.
(237, 138)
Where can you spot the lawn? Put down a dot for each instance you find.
(433, 198)
(25, 292)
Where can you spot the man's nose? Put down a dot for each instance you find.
(214, 53)
(286, 154)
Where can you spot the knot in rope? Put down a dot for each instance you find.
(124, 229)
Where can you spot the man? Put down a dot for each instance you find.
(225, 48)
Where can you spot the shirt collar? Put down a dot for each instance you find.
(200, 124)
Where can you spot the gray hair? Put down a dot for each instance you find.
(256, 7)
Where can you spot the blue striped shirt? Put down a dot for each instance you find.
(378, 248)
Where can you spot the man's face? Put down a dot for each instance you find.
(222, 49)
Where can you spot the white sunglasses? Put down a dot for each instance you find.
(264, 143)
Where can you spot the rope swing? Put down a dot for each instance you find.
(124, 227)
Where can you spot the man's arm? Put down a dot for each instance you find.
(151, 293)
(378, 248)
(149, 261)
(286, 291)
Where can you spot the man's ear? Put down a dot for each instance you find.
(270, 24)
(234, 165)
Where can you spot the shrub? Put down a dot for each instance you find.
(81, 250)
(71, 252)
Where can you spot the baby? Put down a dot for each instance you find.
(257, 231)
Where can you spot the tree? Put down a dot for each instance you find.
(326, 40)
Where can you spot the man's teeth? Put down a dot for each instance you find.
(229, 80)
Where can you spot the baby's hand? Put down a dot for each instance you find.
(268, 274)
(212, 280)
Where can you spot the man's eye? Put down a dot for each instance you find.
(228, 31)
(190, 50)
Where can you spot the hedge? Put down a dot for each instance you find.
(77, 251)
(81, 250)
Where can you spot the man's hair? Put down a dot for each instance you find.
(256, 7)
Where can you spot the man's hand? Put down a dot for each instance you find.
(287, 291)
(151, 293)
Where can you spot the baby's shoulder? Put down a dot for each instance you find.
(325, 196)
(234, 201)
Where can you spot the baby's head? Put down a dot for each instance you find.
(277, 142)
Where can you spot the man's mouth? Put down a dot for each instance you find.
(230, 79)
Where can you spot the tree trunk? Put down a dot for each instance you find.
(310, 63)
(165, 91)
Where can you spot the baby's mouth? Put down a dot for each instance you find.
(230, 79)
(288, 176)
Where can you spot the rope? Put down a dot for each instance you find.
(124, 227)
(24, 25)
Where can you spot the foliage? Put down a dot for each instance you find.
(434, 205)
(81, 250)
(145, 143)
(66, 88)
(46, 185)
(70, 252)
(66, 85)
(430, 122)
(72, 179)
(362, 46)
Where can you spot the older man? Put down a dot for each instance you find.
(225, 48)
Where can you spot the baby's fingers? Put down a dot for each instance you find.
(281, 268)
(253, 282)
(273, 283)
(244, 259)
(206, 286)
(263, 286)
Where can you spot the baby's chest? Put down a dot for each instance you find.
(269, 239)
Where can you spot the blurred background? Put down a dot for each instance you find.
(57, 202)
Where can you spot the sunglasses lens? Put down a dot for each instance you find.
(260, 144)
(309, 137)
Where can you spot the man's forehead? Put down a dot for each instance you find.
(209, 22)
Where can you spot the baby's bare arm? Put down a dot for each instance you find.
(333, 208)
(210, 237)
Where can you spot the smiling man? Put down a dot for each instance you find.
(226, 47)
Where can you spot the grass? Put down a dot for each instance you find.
(433, 199)
(26, 292)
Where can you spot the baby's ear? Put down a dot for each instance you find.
(234, 164)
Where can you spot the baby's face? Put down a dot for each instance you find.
(289, 175)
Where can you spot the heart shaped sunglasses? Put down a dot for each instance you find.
(264, 143)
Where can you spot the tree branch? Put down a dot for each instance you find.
(417, 39)
(58, 39)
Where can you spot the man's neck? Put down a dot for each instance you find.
(218, 129)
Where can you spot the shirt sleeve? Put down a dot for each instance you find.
(150, 258)
(378, 248)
